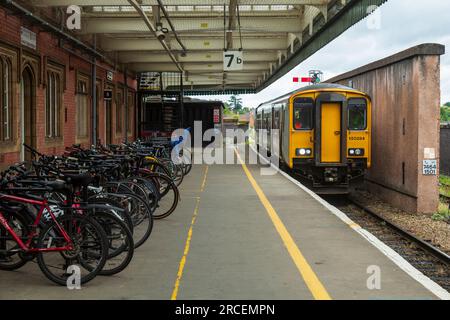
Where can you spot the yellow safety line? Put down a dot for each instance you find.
(312, 281)
(188, 243)
(204, 179)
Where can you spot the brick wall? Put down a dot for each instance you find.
(405, 92)
(48, 53)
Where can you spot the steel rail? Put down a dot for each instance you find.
(437, 253)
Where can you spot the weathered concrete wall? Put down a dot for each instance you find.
(405, 91)
(445, 151)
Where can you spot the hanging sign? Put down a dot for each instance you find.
(216, 116)
(107, 94)
(110, 75)
(233, 60)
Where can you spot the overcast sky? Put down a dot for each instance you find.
(403, 24)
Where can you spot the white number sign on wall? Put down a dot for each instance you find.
(430, 167)
(233, 60)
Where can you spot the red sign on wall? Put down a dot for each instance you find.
(216, 116)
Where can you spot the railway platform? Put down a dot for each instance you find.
(240, 235)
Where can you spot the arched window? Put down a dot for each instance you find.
(53, 105)
(119, 110)
(5, 97)
(130, 112)
(82, 106)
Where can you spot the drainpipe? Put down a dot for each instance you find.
(181, 101)
(152, 28)
(125, 80)
(94, 95)
(166, 14)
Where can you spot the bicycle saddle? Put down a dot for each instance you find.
(56, 185)
(82, 179)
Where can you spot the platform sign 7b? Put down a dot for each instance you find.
(233, 60)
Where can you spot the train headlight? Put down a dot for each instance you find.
(356, 152)
(303, 152)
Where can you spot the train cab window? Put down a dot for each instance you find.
(303, 114)
(357, 114)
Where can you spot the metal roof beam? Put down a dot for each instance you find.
(152, 28)
(111, 44)
(232, 9)
(111, 25)
(207, 57)
(61, 3)
(213, 67)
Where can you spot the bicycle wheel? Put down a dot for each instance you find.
(151, 193)
(137, 211)
(176, 173)
(11, 257)
(186, 162)
(141, 216)
(120, 242)
(169, 194)
(187, 168)
(109, 200)
(88, 255)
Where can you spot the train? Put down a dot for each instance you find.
(323, 135)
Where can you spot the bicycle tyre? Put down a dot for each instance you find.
(101, 242)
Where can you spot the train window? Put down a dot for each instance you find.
(303, 114)
(357, 114)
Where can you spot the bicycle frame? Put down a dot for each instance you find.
(43, 205)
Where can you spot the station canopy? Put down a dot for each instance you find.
(219, 46)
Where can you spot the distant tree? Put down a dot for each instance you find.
(227, 110)
(235, 103)
(245, 110)
(447, 104)
(445, 114)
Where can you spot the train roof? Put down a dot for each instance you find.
(317, 87)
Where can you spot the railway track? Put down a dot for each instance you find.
(428, 259)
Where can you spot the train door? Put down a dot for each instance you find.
(331, 133)
(269, 130)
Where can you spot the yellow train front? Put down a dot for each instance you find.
(324, 135)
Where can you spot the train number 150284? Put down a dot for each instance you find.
(357, 138)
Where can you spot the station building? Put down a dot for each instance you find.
(46, 92)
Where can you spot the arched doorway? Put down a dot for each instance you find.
(28, 114)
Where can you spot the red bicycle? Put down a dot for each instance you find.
(58, 240)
